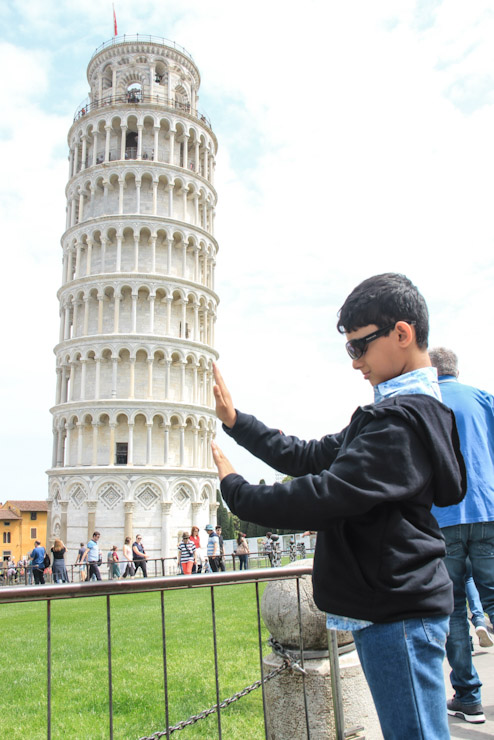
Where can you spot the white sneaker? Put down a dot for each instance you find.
(484, 637)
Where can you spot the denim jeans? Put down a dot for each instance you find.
(403, 665)
(475, 541)
(473, 598)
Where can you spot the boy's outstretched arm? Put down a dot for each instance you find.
(225, 409)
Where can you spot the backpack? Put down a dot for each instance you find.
(46, 560)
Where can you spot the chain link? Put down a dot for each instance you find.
(225, 703)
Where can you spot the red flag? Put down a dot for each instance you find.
(115, 32)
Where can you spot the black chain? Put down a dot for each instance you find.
(225, 703)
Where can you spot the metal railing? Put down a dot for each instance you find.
(111, 589)
(143, 38)
(137, 97)
(22, 575)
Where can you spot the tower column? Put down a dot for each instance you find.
(166, 507)
(130, 449)
(129, 519)
(156, 144)
(107, 142)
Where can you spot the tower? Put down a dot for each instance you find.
(133, 418)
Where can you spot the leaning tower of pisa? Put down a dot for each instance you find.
(133, 417)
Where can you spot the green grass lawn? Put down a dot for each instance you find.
(79, 665)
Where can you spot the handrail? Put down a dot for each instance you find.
(145, 38)
(137, 98)
(144, 585)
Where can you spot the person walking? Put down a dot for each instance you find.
(79, 562)
(221, 561)
(468, 528)
(93, 557)
(59, 570)
(186, 554)
(128, 556)
(195, 538)
(268, 546)
(213, 549)
(139, 556)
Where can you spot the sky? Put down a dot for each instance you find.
(354, 138)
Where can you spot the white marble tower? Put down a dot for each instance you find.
(133, 417)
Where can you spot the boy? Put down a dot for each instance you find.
(378, 566)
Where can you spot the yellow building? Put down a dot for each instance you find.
(21, 523)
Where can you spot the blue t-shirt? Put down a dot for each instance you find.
(474, 413)
(93, 554)
(38, 556)
(212, 541)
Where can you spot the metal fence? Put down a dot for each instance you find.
(111, 589)
(22, 575)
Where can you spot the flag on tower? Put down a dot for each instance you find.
(115, 33)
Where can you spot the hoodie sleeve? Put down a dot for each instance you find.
(385, 463)
(287, 454)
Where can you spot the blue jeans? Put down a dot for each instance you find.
(473, 598)
(474, 541)
(403, 665)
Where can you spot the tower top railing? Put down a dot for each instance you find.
(138, 98)
(145, 38)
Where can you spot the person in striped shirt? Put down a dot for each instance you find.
(187, 556)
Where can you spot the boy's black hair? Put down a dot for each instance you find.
(382, 300)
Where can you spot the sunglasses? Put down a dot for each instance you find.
(356, 348)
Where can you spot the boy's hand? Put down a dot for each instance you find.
(225, 410)
(222, 463)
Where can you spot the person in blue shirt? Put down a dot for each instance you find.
(38, 558)
(468, 528)
(92, 554)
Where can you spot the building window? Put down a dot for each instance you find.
(6, 524)
(122, 452)
(34, 516)
(33, 533)
(6, 538)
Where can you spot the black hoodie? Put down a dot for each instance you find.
(368, 492)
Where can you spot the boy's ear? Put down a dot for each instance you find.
(406, 333)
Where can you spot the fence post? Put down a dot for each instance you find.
(290, 692)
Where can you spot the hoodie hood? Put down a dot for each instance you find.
(435, 424)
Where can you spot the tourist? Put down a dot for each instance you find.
(58, 566)
(195, 538)
(468, 529)
(93, 556)
(139, 556)
(79, 562)
(186, 554)
(268, 546)
(379, 566)
(38, 560)
(115, 567)
(127, 553)
(213, 549)
(242, 551)
(221, 561)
